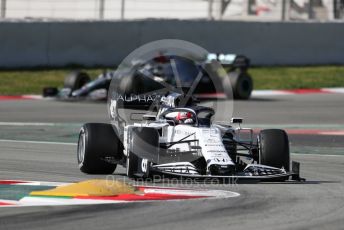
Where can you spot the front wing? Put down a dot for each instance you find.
(275, 173)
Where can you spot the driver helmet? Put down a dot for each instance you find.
(181, 117)
(184, 118)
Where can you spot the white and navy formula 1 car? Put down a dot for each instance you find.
(182, 141)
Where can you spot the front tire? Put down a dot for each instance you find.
(274, 148)
(98, 141)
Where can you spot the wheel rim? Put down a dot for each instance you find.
(81, 147)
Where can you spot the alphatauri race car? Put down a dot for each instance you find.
(180, 140)
(236, 83)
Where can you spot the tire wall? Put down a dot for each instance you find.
(91, 43)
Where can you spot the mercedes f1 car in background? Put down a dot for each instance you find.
(236, 83)
(78, 86)
(180, 140)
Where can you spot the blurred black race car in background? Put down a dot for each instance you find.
(236, 82)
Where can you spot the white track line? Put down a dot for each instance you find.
(34, 124)
(314, 154)
(334, 90)
(37, 183)
(40, 201)
(26, 124)
(37, 142)
(270, 93)
(332, 133)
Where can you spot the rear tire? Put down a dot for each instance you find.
(274, 148)
(238, 85)
(97, 141)
(75, 80)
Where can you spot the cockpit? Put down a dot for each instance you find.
(194, 116)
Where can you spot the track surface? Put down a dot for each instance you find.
(291, 109)
(316, 204)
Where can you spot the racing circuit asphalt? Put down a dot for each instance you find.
(316, 204)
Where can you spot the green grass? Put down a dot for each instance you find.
(297, 77)
(14, 82)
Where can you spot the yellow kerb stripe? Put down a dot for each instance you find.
(93, 187)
